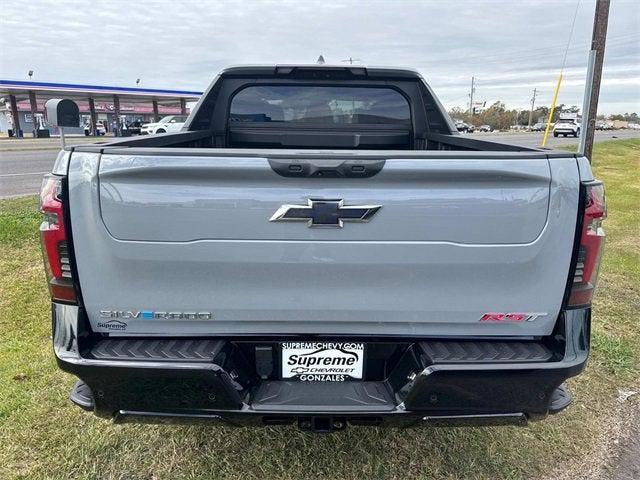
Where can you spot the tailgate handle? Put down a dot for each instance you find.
(326, 168)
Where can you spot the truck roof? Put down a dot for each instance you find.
(353, 70)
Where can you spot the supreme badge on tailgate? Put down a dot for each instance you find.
(322, 361)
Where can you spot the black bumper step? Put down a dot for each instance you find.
(157, 350)
(469, 351)
(560, 399)
(274, 396)
(82, 396)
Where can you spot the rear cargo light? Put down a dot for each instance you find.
(55, 249)
(591, 246)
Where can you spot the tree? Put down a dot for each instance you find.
(628, 117)
(499, 118)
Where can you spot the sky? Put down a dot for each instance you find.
(509, 46)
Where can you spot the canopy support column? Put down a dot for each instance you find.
(93, 118)
(14, 116)
(116, 111)
(156, 114)
(34, 112)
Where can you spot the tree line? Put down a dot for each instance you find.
(498, 117)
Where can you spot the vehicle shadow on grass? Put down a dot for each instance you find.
(358, 452)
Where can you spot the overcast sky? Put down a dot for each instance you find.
(510, 46)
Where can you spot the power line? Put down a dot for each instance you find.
(573, 24)
(543, 54)
(557, 90)
(542, 50)
(526, 55)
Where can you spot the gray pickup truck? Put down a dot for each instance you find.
(319, 246)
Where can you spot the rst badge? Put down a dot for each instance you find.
(325, 213)
(322, 361)
(511, 317)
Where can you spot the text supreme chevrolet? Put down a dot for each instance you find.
(319, 246)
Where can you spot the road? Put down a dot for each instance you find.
(534, 139)
(21, 171)
(23, 162)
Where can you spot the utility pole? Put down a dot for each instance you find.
(533, 103)
(473, 89)
(598, 42)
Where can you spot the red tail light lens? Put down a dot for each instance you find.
(54, 241)
(591, 246)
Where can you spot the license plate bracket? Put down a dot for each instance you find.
(322, 361)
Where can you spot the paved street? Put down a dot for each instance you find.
(21, 171)
(23, 162)
(534, 139)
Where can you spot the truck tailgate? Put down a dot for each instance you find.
(159, 237)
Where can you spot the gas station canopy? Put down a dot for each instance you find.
(46, 90)
(36, 93)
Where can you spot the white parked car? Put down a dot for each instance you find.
(100, 129)
(566, 127)
(170, 123)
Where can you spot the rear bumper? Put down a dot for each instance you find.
(417, 390)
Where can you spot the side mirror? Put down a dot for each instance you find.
(62, 112)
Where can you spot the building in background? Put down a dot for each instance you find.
(618, 124)
(98, 104)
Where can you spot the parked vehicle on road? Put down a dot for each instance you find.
(319, 246)
(539, 127)
(168, 124)
(484, 128)
(464, 127)
(134, 127)
(568, 124)
(100, 129)
(566, 127)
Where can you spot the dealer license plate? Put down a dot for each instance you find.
(322, 361)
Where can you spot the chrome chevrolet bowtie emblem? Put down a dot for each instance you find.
(325, 213)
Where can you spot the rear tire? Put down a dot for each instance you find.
(564, 135)
(161, 130)
(555, 134)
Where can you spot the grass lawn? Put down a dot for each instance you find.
(43, 436)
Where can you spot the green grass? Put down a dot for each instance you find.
(43, 436)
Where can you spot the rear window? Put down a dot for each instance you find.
(319, 105)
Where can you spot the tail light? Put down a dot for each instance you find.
(591, 246)
(55, 247)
